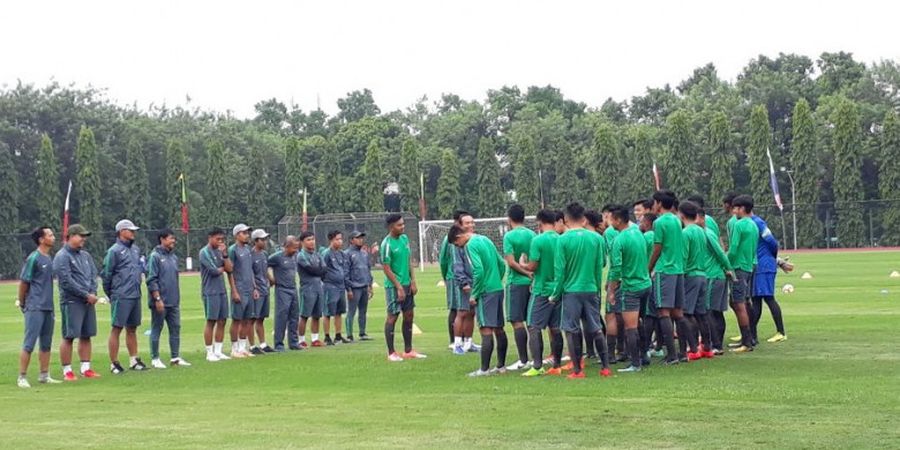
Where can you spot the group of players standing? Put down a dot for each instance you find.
(671, 275)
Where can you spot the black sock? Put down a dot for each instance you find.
(705, 332)
(589, 348)
(718, 329)
(775, 309)
(502, 345)
(620, 336)
(451, 318)
(665, 325)
(407, 335)
(746, 337)
(754, 310)
(575, 343)
(601, 342)
(686, 331)
(610, 347)
(389, 337)
(487, 347)
(521, 337)
(556, 346)
(536, 343)
(648, 324)
(631, 343)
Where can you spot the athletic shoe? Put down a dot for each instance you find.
(548, 361)
(23, 383)
(518, 365)
(178, 361)
(475, 348)
(364, 337)
(350, 339)
(247, 354)
(304, 345)
(69, 376)
(735, 339)
(298, 348)
(268, 349)
(237, 354)
(342, 340)
(605, 372)
(742, 349)
(777, 338)
(282, 350)
(575, 376)
(394, 357)
(157, 364)
(658, 353)
(718, 351)
(451, 346)
(566, 358)
(480, 373)
(754, 342)
(622, 358)
(532, 372)
(707, 354)
(683, 358)
(694, 356)
(212, 357)
(458, 350)
(222, 357)
(116, 368)
(568, 366)
(497, 371)
(317, 343)
(257, 351)
(645, 362)
(735, 345)
(90, 374)
(138, 365)
(48, 380)
(628, 369)
(672, 362)
(328, 341)
(412, 354)
(554, 371)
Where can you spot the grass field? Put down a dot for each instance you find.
(834, 384)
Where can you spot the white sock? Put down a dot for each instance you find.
(457, 340)
(303, 338)
(235, 346)
(245, 345)
(133, 360)
(315, 336)
(217, 348)
(263, 345)
(85, 366)
(67, 368)
(209, 350)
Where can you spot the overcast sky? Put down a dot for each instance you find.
(227, 55)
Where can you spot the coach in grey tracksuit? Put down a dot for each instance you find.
(162, 285)
(77, 275)
(360, 273)
(311, 268)
(287, 313)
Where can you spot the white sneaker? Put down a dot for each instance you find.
(497, 370)
(566, 358)
(247, 354)
(157, 364)
(49, 380)
(222, 357)
(179, 362)
(480, 373)
(23, 383)
(451, 346)
(212, 357)
(518, 365)
(237, 355)
(394, 357)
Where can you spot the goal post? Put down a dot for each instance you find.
(433, 232)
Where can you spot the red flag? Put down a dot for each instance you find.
(65, 227)
(656, 176)
(185, 224)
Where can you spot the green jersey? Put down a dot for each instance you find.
(716, 260)
(648, 237)
(517, 242)
(729, 226)
(695, 245)
(610, 236)
(446, 260)
(628, 261)
(487, 266)
(543, 252)
(395, 253)
(579, 262)
(711, 224)
(742, 244)
(667, 232)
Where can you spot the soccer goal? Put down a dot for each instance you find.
(433, 232)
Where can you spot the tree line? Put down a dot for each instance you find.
(832, 121)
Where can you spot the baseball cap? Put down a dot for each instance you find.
(125, 224)
(239, 228)
(357, 234)
(259, 233)
(78, 230)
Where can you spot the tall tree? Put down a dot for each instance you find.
(373, 178)
(606, 165)
(448, 185)
(10, 251)
(807, 172)
(639, 155)
(48, 201)
(257, 188)
(525, 172)
(677, 161)
(490, 199)
(889, 178)
(330, 185)
(721, 158)
(137, 208)
(409, 176)
(87, 189)
(217, 195)
(175, 167)
(848, 190)
(294, 178)
(758, 142)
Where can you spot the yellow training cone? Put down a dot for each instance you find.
(416, 329)
(441, 283)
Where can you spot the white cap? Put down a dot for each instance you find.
(125, 224)
(239, 228)
(259, 233)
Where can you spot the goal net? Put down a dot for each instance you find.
(433, 232)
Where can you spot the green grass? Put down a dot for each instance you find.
(835, 383)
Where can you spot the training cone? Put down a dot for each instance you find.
(416, 329)
(806, 276)
(375, 285)
(895, 274)
(441, 283)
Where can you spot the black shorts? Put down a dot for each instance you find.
(517, 297)
(619, 307)
(716, 295)
(335, 301)
(79, 320)
(489, 310)
(542, 313)
(578, 308)
(695, 295)
(632, 300)
(125, 313)
(394, 305)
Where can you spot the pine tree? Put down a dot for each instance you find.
(677, 160)
(848, 189)
(10, 251)
(257, 188)
(490, 199)
(448, 185)
(806, 167)
(639, 154)
(175, 167)
(525, 173)
(87, 190)
(566, 184)
(721, 157)
(216, 197)
(49, 202)
(409, 176)
(373, 178)
(295, 179)
(606, 165)
(330, 185)
(757, 143)
(137, 207)
(889, 179)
